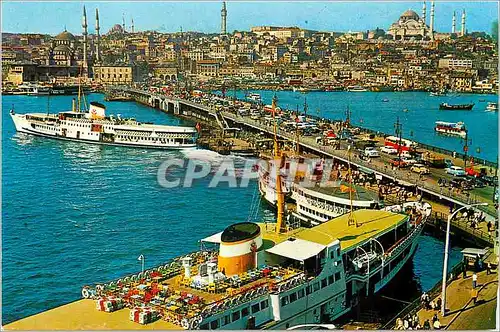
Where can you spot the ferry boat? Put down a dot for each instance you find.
(254, 97)
(356, 88)
(492, 107)
(451, 128)
(93, 126)
(446, 106)
(320, 203)
(269, 275)
(400, 144)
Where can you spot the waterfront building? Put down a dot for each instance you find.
(115, 74)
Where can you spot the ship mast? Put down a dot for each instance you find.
(350, 220)
(280, 225)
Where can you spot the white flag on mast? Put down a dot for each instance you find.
(140, 258)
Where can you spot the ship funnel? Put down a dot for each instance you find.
(238, 247)
(186, 263)
(211, 270)
(97, 110)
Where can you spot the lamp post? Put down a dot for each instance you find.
(447, 243)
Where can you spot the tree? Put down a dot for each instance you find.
(494, 30)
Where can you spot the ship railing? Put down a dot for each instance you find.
(398, 246)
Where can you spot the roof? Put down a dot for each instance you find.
(410, 14)
(371, 223)
(215, 238)
(65, 35)
(62, 48)
(297, 249)
(474, 252)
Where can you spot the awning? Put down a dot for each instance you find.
(297, 249)
(213, 238)
(474, 252)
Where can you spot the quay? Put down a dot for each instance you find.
(461, 311)
(232, 122)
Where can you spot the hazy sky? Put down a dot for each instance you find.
(204, 16)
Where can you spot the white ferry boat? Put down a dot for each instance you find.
(254, 97)
(94, 127)
(356, 88)
(492, 107)
(451, 128)
(262, 276)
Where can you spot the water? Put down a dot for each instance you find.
(368, 110)
(75, 214)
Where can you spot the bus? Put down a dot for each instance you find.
(403, 144)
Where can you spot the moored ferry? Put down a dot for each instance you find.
(261, 276)
(93, 126)
(356, 88)
(451, 128)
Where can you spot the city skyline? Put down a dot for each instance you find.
(171, 16)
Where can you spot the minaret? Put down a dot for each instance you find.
(123, 22)
(463, 24)
(97, 37)
(84, 27)
(424, 13)
(432, 20)
(223, 14)
(454, 23)
(132, 27)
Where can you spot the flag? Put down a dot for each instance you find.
(140, 258)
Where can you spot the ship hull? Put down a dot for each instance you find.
(24, 126)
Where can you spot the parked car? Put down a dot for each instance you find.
(370, 151)
(409, 160)
(419, 168)
(490, 180)
(455, 171)
(406, 154)
(398, 162)
(388, 150)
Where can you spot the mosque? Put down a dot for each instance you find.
(410, 26)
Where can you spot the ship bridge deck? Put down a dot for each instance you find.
(370, 223)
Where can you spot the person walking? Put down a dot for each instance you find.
(474, 294)
(427, 325)
(488, 268)
(474, 280)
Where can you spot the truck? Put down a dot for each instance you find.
(432, 160)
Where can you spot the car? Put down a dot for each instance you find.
(398, 162)
(420, 169)
(455, 171)
(405, 154)
(448, 163)
(490, 180)
(409, 160)
(371, 152)
(388, 150)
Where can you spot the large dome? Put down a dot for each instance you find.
(65, 35)
(410, 14)
(62, 48)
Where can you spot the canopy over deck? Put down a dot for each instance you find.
(297, 249)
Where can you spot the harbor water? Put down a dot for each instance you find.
(417, 111)
(75, 214)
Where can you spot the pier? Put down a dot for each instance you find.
(228, 121)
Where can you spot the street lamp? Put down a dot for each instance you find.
(447, 243)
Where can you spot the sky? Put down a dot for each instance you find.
(204, 16)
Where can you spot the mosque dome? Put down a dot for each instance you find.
(117, 28)
(410, 14)
(65, 35)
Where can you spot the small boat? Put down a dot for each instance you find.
(385, 100)
(492, 107)
(254, 96)
(406, 110)
(356, 88)
(451, 128)
(437, 94)
(446, 106)
(482, 100)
